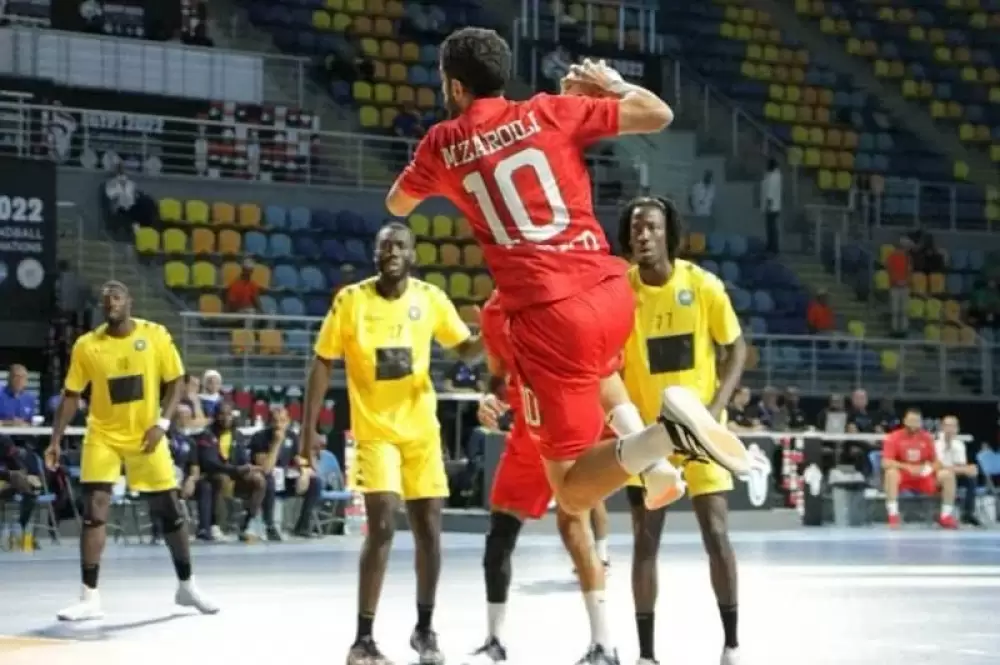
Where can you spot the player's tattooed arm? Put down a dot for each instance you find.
(732, 360)
(316, 385)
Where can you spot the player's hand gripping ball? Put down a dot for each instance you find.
(590, 79)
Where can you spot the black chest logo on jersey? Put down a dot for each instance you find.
(685, 297)
(414, 313)
(125, 389)
(140, 345)
(392, 363)
(670, 353)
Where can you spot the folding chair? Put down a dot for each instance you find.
(989, 465)
(44, 504)
(334, 495)
(124, 508)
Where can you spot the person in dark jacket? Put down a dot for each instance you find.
(222, 458)
(274, 449)
(18, 478)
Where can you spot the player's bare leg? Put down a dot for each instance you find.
(425, 524)
(599, 528)
(96, 510)
(380, 508)
(166, 509)
(647, 529)
(712, 511)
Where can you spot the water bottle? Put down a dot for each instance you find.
(355, 519)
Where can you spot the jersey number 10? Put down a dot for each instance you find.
(503, 177)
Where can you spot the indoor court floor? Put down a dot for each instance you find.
(818, 597)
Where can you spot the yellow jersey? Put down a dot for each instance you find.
(124, 375)
(386, 348)
(677, 327)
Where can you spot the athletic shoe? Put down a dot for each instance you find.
(730, 657)
(274, 534)
(895, 522)
(489, 654)
(647, 661)
(88, 609)
(947, 522)
(188, 595)
(217, 534)
(597, 655)
(249, 537)
(425, 643)
(366, 652)
(697, 435)
(662, 484)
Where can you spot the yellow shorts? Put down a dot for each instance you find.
(701, 477)
(103, 460)
(411, 469)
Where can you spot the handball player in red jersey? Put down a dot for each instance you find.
(516, 170)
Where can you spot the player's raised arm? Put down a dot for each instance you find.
(329, 347)
(77, 380)
(728, 336)
(417, 182)
(639, 110)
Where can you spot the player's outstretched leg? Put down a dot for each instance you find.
(706, 436)
(647, 529)
(96, 510)
(575, 533)
(165, 508)
(380, 508)
(712, 512)
(500, 542)
(425, 524)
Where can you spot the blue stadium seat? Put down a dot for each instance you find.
(280, 246)
(312, 279)
(268, 304)
(306, 247)
(275, 217)
(285, 277)
(300, 218)
(255, 243)
(292, 306)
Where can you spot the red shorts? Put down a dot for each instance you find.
(563, 350)
(910, 482)
(520, 486)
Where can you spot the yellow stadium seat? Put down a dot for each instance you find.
(856, 329)
(362, 91)
(321, 20)
(420, 225)
(909, 88)
(209, 303)
(389, 49)
(370, 47)
(828, 159)
(727, 30)
(696, 243)
(845, 160)
(334, 5)
(967, 336)
(889, 361)
(242, 341)
(933, 309)
(961, 170)
(916, 308)
(795, 155)
(394, 9)
(369, 117)
(261, 276)
(397, 72)
(354, 6)
(176, 274)
(437, 279)
(822, 115)
(966, 132)
(459, 286)
(825, 180)
(341, 22)
(196, 211)
(442, 226)
(362, 25)
(882, 281)
(410, 52)
(789, 112)
(936, 283)
(383, 93)
(754, 51)
(482, 286)
(450, 255)
(269, 341)
(952, 311)
(203, 275)
(405, 95)
(812, 159)
(463, 229)
(229, 242)
(388, 116)
(844, 181)
(249, 215)
(174, 241)
(231, 271)
(427, 254)
(884, 252)
(932, 332)
(375, 7)
(918, 283)
(991, 75)
(426, 98)
(772, 111)
(949, 334)
(472, 255)
(881, 68)
(383, 27)
(171, 210)
(469, 314)
(147, 241)
(203, 241)
(223, 213)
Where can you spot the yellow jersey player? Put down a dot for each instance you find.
(683, 321)
(124, 362)
(383, 329)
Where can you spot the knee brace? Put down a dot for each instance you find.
(166, 507)
(93, 495)
(500, 540)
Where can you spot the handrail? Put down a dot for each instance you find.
(894, 203)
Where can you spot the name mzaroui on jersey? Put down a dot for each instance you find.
(488, 143)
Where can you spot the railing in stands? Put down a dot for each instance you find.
(901, 203)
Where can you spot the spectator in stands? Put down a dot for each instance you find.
(197, 30)
(274, 449)
(951, 453)
(211, 394)
(407, 124)
(740, 416)
(769, 411)
(223, 459)
(702, 195)
(819, 315)
(833, 418)
(192, 400)
(924, 254)
(797, 419)
(886, 418)
(20, 477)
(859, 418)
(126, 206)
(911, 465)
(463, 377)
(17, 403)
(898, 266)
(243, 294)
(984, 304)
(770, 204)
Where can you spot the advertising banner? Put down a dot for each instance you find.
(27, 250)
(550, 62)
(141, 19)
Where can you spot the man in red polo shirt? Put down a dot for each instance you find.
(911, 464)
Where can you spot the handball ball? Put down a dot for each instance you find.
(582, 89)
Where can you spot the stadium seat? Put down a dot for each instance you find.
(949, 335)
(463, 230)
(459, 286)
(469, 314)
(147, 241)
(269, 342)
(952, 311)
(696, 243)
(437, 279)
(229, 242)
(933, 309)
(856, 329)
(427, 254)
(249, 215)
(442, 226)
(230, 273)
(420, 225)
(255, 243)
(932, 332)
(472, 256)
(889, 360)
(176, 274)
(482, 287)
(202, 241)
(936, 284)
(449, 255)
(203, 275)
(918, 283)
(223, 213)
(196, 211)
(171, 211)
(261, 276)
(242, 341)
(882, 280)
(174, 241)
(209, 303)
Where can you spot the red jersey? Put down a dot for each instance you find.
(493, 327)
(516, 171)
(909, 447)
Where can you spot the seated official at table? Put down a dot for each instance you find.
(274, 449)
(17, 403)
(20, 477)
(225, 471)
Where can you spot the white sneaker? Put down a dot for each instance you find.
(663, 484)
(188, 595)
(699, 435)
(217, 533)
(730, 657)
(88, 609)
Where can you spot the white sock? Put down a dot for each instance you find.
(637, 452)
(625, 419)
(601, 545)
(892, 507)
(495, 615)
(947, 510)
(594, 600)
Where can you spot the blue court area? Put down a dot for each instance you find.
(809, 596)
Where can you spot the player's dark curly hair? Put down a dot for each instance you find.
(479, 59)
(674, 224)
